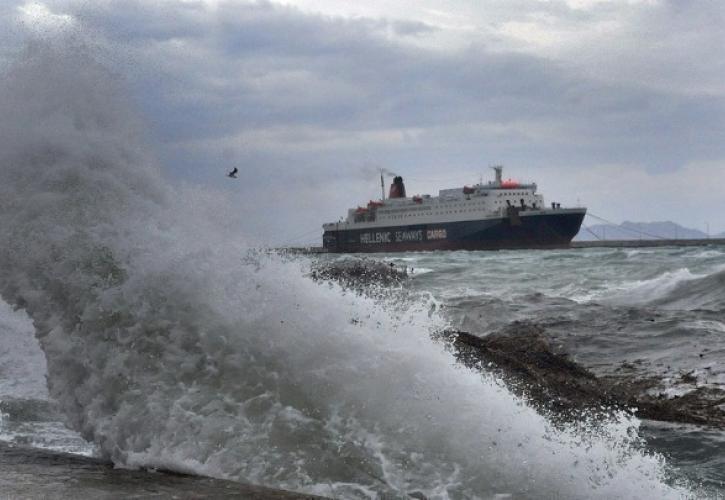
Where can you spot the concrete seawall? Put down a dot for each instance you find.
(30, 473)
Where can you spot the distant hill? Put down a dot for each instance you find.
(640, 231)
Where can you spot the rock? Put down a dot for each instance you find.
(522, 356)
(359, 272)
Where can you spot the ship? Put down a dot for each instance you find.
(500, 214)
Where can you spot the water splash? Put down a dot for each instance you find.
(166, 347)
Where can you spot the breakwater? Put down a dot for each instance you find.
(34, 473)
(648, 243)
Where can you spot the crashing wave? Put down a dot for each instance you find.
(165, 348)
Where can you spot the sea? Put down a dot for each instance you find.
(344, 394)
(139, 325)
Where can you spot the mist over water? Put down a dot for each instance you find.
(169, 343)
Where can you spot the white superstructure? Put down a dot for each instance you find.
(480, 201)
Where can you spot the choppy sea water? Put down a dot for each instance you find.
(137, 325)
(656, 305)
(658, 311)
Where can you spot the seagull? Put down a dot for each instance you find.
(233, 173)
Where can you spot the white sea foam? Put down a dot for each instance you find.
(679, 289)
(643, 291)
(169, 343)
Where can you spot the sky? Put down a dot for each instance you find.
(617, 105)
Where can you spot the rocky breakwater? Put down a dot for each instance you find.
(523, 357)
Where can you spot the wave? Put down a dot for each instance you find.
(679, 289)
(640, 292)
(169, 343)
(703, 292)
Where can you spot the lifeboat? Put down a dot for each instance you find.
(510, 184)
(375, 204)
(417, 199)
(361, 210)
(468, 190)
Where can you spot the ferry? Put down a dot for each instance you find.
(500, 214)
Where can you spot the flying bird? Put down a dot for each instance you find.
(233, 173)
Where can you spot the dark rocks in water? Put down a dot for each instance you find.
(34, 473)
(359, 272)
(523, 357)
(698, 406)
(521, 354)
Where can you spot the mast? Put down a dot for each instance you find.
(382, 184)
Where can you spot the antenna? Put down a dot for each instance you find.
(382, 184)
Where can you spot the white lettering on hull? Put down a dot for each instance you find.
(409, 235)
(402, 236)
(373, 238)
(436, 234)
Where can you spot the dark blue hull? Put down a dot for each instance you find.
(545, 229)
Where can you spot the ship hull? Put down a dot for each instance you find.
(544, 229)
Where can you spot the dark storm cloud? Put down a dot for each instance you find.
(216, 72)
(412, 28)
(250, 66)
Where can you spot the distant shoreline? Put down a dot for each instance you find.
(695, 242)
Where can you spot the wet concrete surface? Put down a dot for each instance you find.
(29, 473)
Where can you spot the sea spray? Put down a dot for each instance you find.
(167, 348)
(22, 365)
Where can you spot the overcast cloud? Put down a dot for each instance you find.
(618, 104)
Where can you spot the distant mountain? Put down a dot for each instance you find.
(638, 231)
